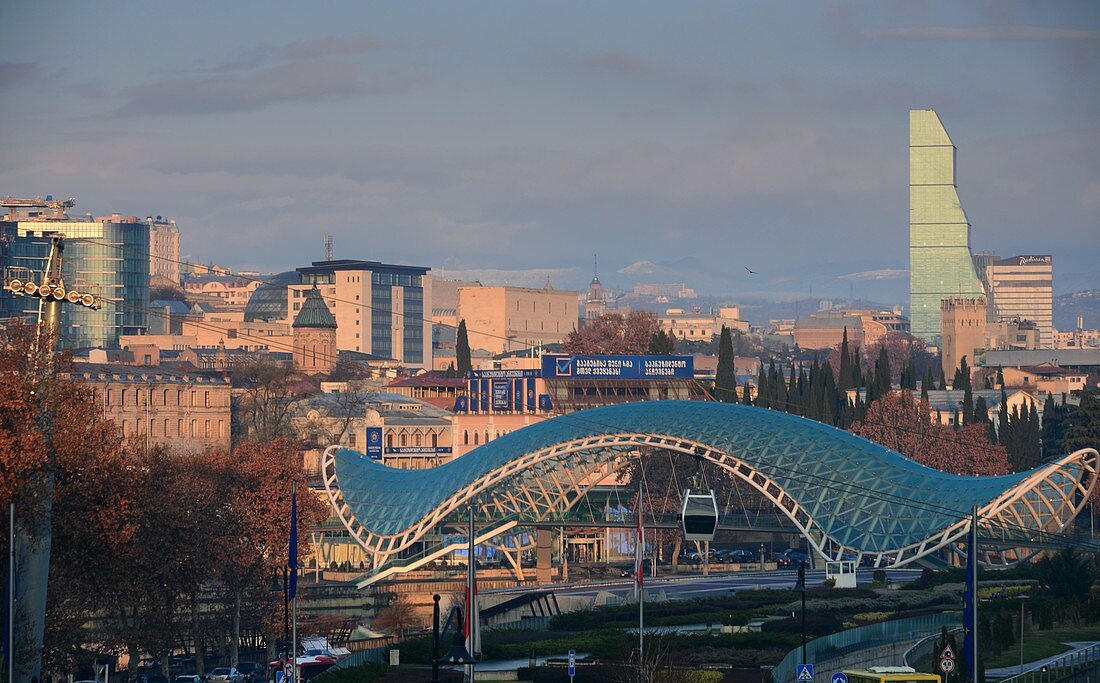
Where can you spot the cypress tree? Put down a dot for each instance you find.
(1000, 378)
(883, 376)
(462, 350)
(968, 405)
(725, 377)
(761, 388)
(746, 393)
(1002, 421)
(1034, 437)
(962, 375)
(1053, 427)
(661, 344)
(845, 362)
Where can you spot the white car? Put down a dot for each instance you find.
(225, 674)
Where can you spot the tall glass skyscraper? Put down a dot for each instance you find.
(940, 262)
(106, 257)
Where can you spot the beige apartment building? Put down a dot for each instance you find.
(503, 319)
(1022, 287)
(695, 325)
(865, 328)
(381, 309)
(184, 410)
(225, 292)
(164, 248)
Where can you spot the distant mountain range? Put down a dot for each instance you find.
(1068, 306)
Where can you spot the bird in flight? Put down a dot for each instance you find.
(751, 271)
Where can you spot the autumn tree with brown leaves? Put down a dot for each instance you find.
(139, 535)
(613, 333)
(904, 424)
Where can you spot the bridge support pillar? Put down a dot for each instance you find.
(544, 539)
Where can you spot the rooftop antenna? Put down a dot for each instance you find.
(328, 247)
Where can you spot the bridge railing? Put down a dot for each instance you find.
(1067, 667)
(821, 650)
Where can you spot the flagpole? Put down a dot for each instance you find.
(639, 572)
(974, 592)
(11, 595)
(471, 600)
(292, 578)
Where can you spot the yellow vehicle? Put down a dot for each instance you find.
(890, 674)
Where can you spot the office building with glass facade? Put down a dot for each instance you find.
(940, 263)
(108, 257)
(379, 307)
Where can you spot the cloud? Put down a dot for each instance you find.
(307, 81)
(1090, 195)
(984, 33)
(13, 73)
(328, 46)
(881, 274)
(682, 77)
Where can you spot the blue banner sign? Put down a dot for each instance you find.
(502, 374)
(618, 367)
(374, 443)
(502, 394)
(418, 450)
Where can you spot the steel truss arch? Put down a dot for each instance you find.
(843, 493)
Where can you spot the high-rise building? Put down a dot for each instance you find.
(380, 308)
(108, 257)
(1023, 287)
(164, 248)
(940, 262)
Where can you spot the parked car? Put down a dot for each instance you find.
(796, 555)
(225, 674)
(252, 671)
(741, 556)
(188, 678)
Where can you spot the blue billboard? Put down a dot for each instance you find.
(374, 443)
(617, 367)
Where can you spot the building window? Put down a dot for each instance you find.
(435, 439)
(389, 441)
(416, 442)
(404, 439)
(465, 437)
(476, 438)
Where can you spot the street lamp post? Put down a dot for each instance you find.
(1022, 599)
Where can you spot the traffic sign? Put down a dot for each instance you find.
(572, 664)
(805, 673)
(288, 672)
(947, 665)
(840, 677)
(947, 653)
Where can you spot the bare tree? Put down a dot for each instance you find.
(264, 403)
(398, 616)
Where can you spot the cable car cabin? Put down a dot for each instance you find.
(890, 674)
(699, 515)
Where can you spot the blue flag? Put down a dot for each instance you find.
(970, 599)
(292, 560)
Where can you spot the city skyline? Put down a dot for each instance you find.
(520, 138)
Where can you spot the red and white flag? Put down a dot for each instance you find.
(471, 628)
(639, 551)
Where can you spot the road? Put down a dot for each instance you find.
(690, 587)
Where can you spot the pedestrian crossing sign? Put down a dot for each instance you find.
(805, 673)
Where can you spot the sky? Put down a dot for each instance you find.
(500, 136)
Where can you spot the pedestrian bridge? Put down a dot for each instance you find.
(845, 494)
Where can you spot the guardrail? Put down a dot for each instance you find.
(820, 650)
(1066, 667)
